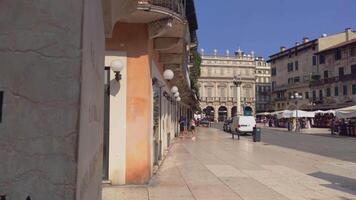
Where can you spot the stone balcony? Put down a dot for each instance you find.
(331, 80)
(226, 99)
(175, 7)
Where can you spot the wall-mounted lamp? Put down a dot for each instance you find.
(168, 74)
(117, 66)
(174, 89)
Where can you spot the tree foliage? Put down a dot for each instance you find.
(195, 71)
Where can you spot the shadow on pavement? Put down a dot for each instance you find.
(341, 183)
(342, 148)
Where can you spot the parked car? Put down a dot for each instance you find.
(243, 124)
(204, 122)
(227, 125)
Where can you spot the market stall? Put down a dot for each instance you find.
(323, 118)
(346, 113)
(262, 117)
(345, 121)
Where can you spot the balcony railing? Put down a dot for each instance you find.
(280, 99)
(209, 99)
(226, 99)
(335, 79)
(176, 6)
(223, 99)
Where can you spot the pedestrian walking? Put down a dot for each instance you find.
(289, 125)
(183, 125)
(192, 128)
(332, 128)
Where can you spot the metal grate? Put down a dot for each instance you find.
(1, 105)
(174, 5)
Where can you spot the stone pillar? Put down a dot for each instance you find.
(238, 96)
(53, 84)
(229, 111)
(216, 113)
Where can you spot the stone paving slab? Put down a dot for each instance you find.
(251, 189)
(125, 193)
(216, 167)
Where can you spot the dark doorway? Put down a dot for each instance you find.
(248, 111)
(234, 111)
(209, 113)
(222, 114)
(106, 123)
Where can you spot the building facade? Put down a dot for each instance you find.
(86, 96)
(336, 85)
(143, 113)
(218, 93)
(263, 85)
(295, 68)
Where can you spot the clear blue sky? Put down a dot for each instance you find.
(265, 25)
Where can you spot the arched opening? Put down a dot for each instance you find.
(234, 111)
(222, 114)
(209, 113)
(248, 111)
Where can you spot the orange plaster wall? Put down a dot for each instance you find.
(133, 39)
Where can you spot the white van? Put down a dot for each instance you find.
(243, 124)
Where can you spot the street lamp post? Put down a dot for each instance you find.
(237, 82)
(296, 97)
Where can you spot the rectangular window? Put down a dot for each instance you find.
(314, 95)
(222, 92)
(274, 71)
(296, 79)
(290, 67)
(353, 51)
(290, 80)
(321, 59)
(296, 64)
(344, 90)
(273, 85)
(341, 71)
(307, 95)
(210, 92)
(338, 54)
(233, 89)
(353, 89)
(320, 94)
(336, 91)
(314, 60)
(328, 92)
(353, 69)
(326, 74)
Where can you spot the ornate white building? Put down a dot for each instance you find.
(217, 90)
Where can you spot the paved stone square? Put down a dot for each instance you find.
(283, 166)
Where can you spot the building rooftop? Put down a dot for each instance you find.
(343, 44)
(306, 43)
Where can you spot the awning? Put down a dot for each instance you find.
(348, 112)
(293, 114)
(325, 112)
(263, 114)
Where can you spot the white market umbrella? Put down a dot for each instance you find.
(264, 113)
(348, 112)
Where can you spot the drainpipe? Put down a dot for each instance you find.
(160, 125)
